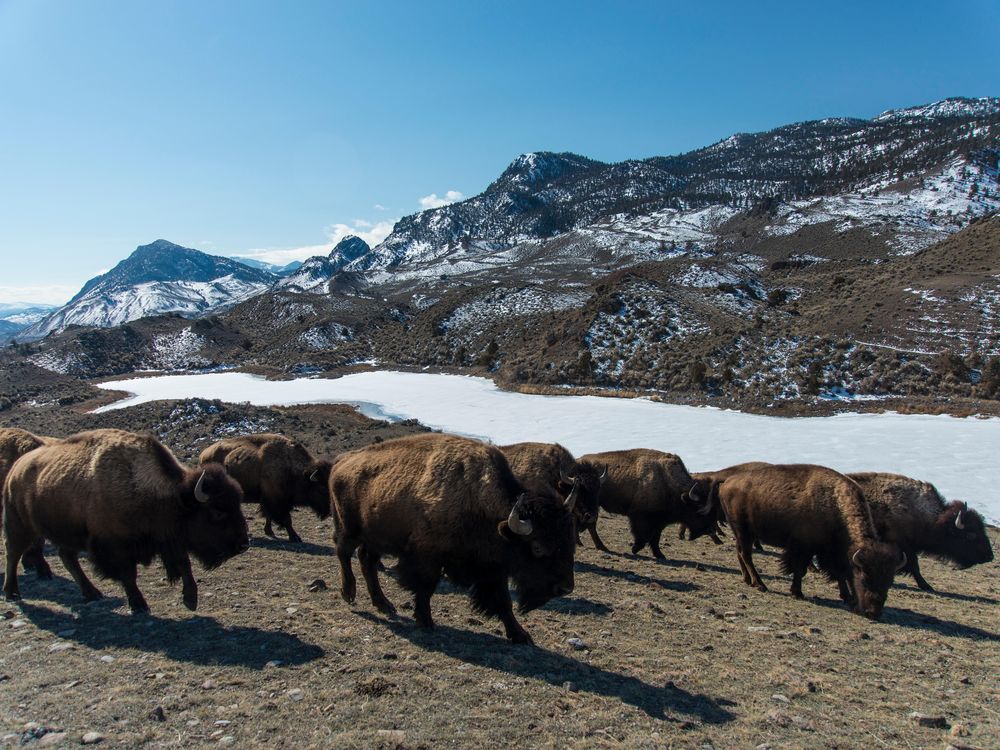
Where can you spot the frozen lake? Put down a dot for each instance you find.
(960, 456)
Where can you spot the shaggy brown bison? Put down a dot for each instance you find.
(276, 472)
(720, 517)
(14, 443)
(124, 499)
(913, 515)
(443, 503)
(653, 489)
(811, 511)
(548, 466)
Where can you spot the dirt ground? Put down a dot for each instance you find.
(641, 655)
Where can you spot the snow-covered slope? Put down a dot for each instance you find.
(317, 271)
(157, 278)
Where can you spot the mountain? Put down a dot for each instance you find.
(157, 278)
(834, 261)
(951, 144)
(270, 267)
(317, 271)
(16, 316)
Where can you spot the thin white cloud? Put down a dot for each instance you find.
(43, 294)
(379, 207)
(372, 233)
(435, 201)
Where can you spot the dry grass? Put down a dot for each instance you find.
(677, 654)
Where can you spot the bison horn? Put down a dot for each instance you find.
(314, 477)
(959, 523)
(515, 523)
(903, 563)
(604, 474)
(854, 558)
(571, 498)
(564, 478)
(199, 494)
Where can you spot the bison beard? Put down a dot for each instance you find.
(429, 500)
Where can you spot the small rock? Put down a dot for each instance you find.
(811, 686)
(274, 663)
(7, 615)
(51, 738)
(209, 685)
(223, 723)
(577, 644)
(55, 648)
(157, 714)
(193, 722)
(4, 677)
(863, 637)
(570, 686)
(779, 718)
(296, 694)
(291, 610)
(780, 698)
(965, 681)
(72, 684)
(959, 730)
(92, 738)
(318, 585)
(758, 628)
(926, 720)
(107, 658)
(227, 739)
(390, 655)
(18, 624)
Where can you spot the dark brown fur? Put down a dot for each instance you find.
(441, 504)
(653, 489)
(547, 466)
(124, 499)
(810, 511)
(14, 443)
(913, 515)
(276, 472)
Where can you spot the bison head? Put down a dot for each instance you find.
(961, 536)
(541, 533)
(586, 479)
(215, 526)
(315, 487)
(874, 565)
(699, 507)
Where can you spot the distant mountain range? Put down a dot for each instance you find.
(737, 257)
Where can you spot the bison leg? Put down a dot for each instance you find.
(90, 592)
(422, 579)
(136, 601)
(178, 565)
(744, 550)
(681, 531)
(369, 569)
(492, 597)
(912, 566)
(796, 562)
(757, 546)
(268, 529)
(846, 593)
(714, 536)
(19, 540)
(654, 544)
(11, 592)
(596, 539)
(348, 583)
(34, 559)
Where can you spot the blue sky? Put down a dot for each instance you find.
(250, 127)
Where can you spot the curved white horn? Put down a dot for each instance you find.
(199, 494)
(854, 558)
(959, 523)
(693, 493)
(903, 563)
(516, 523)
(571, 498)
(314, 477)
(604, 474)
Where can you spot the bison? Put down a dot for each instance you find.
(811, 511)
(14, 443)
(125, 499)
(548, 466)
(653, 489)
(443, 503)
(913, 515)
(720, 517)
(276, 472)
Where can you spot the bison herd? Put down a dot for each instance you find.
(440, 504)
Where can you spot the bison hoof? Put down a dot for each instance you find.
(10, 596)
(760, 586)
(92, 596)
(295, 539)
(191, 602)
(522, 638)
(348, 596)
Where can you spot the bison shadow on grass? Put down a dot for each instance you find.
(299, 548)
(669, 703)
(584, 567)
(194, 639)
